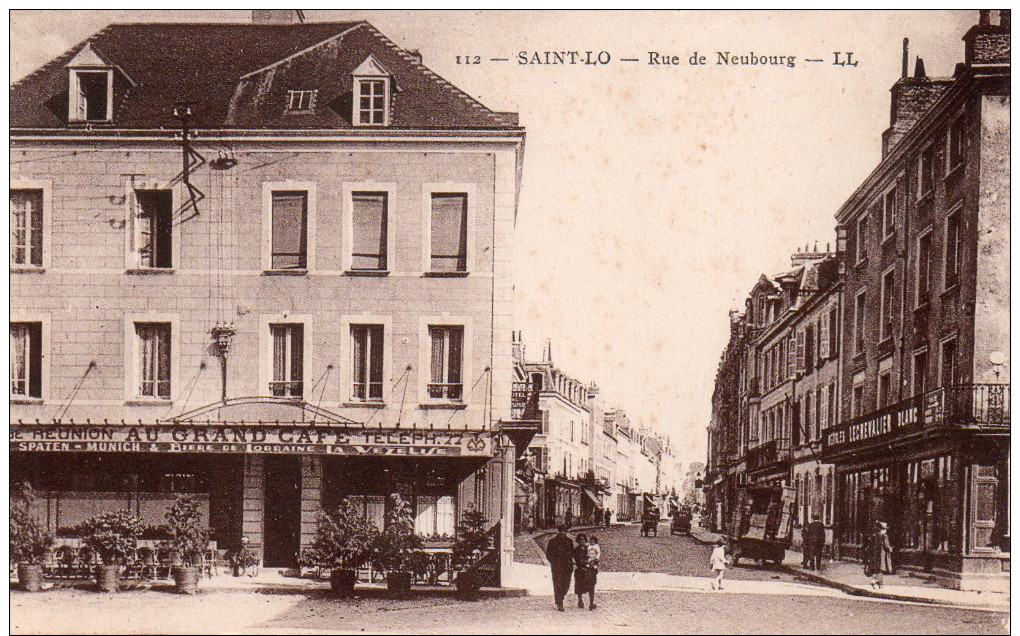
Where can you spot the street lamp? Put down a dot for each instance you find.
(222, 335)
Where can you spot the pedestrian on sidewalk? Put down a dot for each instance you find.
(560, 554)
(815, 532)
(878, 561)
(594, 559)
(584, 575)
(717, 561)
(609, 516)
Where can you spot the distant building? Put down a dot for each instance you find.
(876, 382)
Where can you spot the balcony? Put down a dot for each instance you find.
(981, 407)
(768, 455)
(525, 418)
(971, 406)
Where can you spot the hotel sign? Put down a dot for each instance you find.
(861, 431)
(243, 438)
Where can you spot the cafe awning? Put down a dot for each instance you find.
(594, 498)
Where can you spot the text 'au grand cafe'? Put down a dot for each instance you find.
(267, 265)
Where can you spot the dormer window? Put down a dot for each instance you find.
(90, 89)
(301, 101)
(372, 87)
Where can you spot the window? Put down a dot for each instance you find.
(449, 232)
(290, 230)
(923, 268)
(858, 400)
(921, 372)
(369, 218)
(833, 332)
(862, 238)
(445, 380)
(434, 516)
(888, 293)
(153, 359)
(27, 227)
(889, 213)
(367, 347)
(372, 102)
(954, 249)
(832, 404)
(947, 369)
(301, 101)
(26, 359)
(884, 389)
(152, 229)
(288, 360)
(91, 96)
(957, 143)
(859, 309)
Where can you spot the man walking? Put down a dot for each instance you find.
(560, 553)
(816, 538)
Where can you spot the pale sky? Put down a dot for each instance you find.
(653, 197)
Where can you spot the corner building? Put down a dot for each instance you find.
(265, 264)
(923, 435)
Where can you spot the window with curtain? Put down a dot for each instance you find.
(26, 227)
(425, 516)
(449, 232)
(153, 360)
(288, 360)
(445, 380)
(290, 230)
(26, 359)
(367, 349)
(368, 227)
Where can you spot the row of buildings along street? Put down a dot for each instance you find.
(272, 287)
(873, 375)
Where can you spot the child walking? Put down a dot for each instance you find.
(718, 562)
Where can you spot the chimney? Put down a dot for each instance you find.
(911, 97)
(987, 44)
(277, 16)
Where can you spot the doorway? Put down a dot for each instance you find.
(282, 511)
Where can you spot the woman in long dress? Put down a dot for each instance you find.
(584, 573)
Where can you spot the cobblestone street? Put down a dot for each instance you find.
(72, 611)
(625, 550)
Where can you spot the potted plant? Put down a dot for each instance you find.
(472, 539)
(29, 542)
(343, 541)
(113, 536)
(396, 545)
(188, 541)
(243, 559)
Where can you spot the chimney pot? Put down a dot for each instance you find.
(919, 68)
(984, 17)
(906, 56)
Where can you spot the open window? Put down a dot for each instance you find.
(90, 88)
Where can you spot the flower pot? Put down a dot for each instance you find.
(398, 583)
(467, 586)
(30, 577)
(186, 579)
(342, 582)
(108, 578)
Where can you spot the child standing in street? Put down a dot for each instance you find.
(718, 562)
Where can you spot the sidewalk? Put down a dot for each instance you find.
(906, 586)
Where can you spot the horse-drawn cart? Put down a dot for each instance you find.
(761, 527)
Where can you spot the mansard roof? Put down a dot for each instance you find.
(238, 76)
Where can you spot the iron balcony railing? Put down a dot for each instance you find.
(958, 406)
(770, 454)
(967, 406)
(524, 402)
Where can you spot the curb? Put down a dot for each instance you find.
(854, 590)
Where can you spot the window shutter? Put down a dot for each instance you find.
(823, 336)
(833, 333)
(823, 409)
(800, 350)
